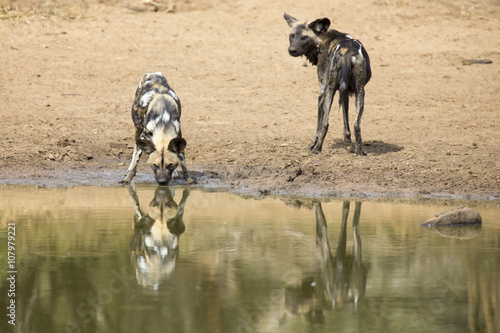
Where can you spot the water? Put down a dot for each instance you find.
(99, 259)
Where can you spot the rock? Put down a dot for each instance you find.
(455, 216)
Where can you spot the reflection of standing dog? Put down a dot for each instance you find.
(340, 278)
(154, 248)
(343, 65)
(156, 113)
(343, 276)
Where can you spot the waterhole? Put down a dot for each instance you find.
(158, 259)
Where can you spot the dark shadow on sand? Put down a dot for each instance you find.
(373, 147)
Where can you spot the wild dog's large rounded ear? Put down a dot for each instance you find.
(146, 146)
(290, 19)
(320, 26)
(177, 145)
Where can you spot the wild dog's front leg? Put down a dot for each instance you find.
(360, 104)
(185, 172)
(132, 169)
(324, 105)
(318, 122)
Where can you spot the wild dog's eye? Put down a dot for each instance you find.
(292, 36)
(155, 167)
(170, 167)
(303, 38)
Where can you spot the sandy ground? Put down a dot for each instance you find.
(430, 128)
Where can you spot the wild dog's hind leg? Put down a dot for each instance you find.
(345, 114)
(132, 169)
(360, 105)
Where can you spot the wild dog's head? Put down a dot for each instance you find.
(165, 161)
(151, 79)
(305, 38)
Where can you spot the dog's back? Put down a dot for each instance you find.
(156, 108)
(344, 51)
(346, 64)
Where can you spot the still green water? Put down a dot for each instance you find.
(118, 259)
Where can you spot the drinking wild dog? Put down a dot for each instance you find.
(156, 113)
(343, 65)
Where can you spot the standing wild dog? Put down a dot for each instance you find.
(343, 65)
(156, 113)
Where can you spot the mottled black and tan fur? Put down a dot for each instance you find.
(156, 113)
(343, 65)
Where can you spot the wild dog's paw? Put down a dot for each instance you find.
(359, 150)
(313, 143)
(189, 181)
(316, 149)
(127, 179)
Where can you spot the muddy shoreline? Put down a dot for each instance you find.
(267, 183)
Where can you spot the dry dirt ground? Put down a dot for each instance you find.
(69, 70)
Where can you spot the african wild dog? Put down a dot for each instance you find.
(343, 65)
(156, 113)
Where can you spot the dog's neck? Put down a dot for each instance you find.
(313, 55)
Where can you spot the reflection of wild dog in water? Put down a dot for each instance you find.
(340, 277)
(156, 113)
(343, 65)
(154, 248)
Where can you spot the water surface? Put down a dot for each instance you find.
(148, 259)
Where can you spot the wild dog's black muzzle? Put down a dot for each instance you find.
(293, 52)
(162, 178)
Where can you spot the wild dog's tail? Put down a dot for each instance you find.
(345, 72)
(344, 83)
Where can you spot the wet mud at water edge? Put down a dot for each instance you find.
(241, 180)
(178, 259)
